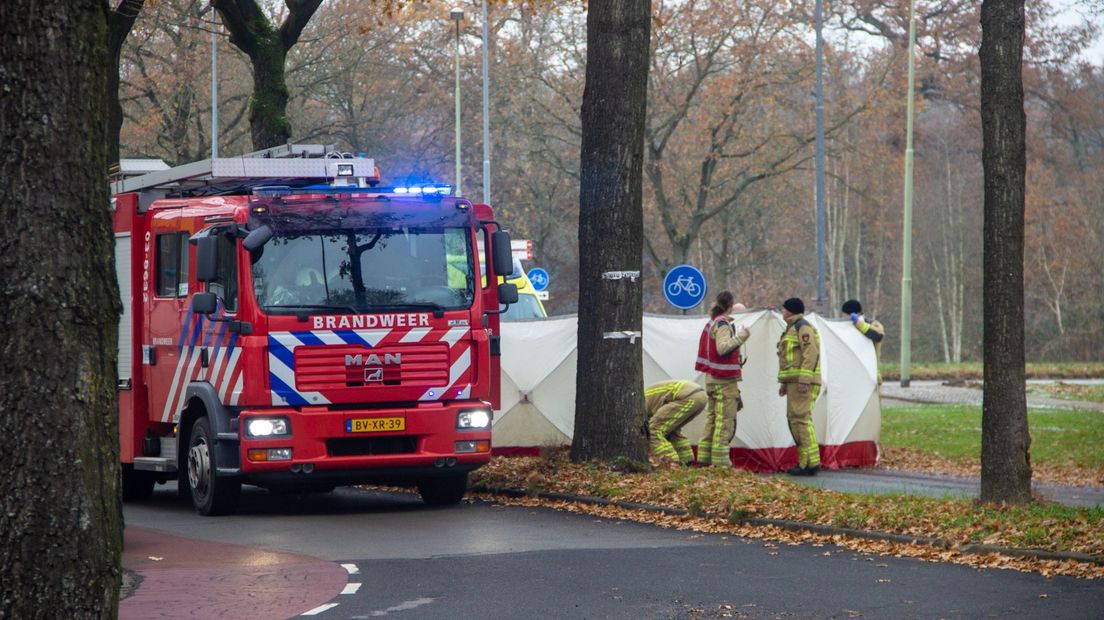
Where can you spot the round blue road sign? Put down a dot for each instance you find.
(684, 287)
(539, 278)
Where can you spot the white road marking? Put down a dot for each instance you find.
(404, 606)
(351, 588)
(351, 569)
(320, 609)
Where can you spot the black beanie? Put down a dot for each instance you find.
(794, 305)
(851, 306)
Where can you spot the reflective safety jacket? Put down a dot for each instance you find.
(876, 333)
(719, 354)
(799, 352)
(659, 394)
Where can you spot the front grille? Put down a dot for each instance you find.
(321, 368)
(370, 446)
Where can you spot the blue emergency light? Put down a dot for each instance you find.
(424, 189)
(432, 189)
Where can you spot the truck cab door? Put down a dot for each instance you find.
(169, 330)
(218, 346)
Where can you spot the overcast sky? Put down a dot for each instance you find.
(1080, 11)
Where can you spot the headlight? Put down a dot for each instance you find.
(267, 427)
(474, 419)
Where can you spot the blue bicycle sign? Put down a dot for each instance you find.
(539, 278)
(684, 287)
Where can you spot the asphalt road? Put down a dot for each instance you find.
(403, 560)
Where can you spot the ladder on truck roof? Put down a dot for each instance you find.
(293, 165)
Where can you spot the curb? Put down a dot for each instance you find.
(816, 528)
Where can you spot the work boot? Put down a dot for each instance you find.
(811, 471)
(796, 471)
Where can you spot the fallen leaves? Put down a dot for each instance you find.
(722, 501)
(909, 459)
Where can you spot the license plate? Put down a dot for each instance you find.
(375, 425)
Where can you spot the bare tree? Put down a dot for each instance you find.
(1005, 442)
(60, 516)
(267, 47)
(949, 242)
(120, 21)
(609, 399)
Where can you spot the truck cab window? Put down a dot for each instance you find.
(172, 265)
(226, 286)
(366, 270)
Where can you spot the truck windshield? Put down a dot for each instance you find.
(365, 271)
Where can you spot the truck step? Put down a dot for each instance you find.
(155, 463)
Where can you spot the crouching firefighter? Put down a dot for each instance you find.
(670, 405)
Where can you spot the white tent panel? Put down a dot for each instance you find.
(525, 425)
(539, 361)
(850, 373)
(555, 396)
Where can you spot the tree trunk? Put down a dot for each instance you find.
(267, 48)
(60, 516)
(1005, 460)
(609, 400)
(268, 118)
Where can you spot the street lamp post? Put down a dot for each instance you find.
(818, 154)
(214, 93)
(486, 114)
(457, 15)
(906, 253)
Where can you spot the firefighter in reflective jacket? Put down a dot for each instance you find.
(799, 376)
(719, 357)
(670, 405)
(871, 329)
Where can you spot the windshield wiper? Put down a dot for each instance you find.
(348, 309)
(437, 309)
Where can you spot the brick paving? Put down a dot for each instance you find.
(185, 578)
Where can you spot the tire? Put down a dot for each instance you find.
(137, 484)
(443, 490)
(211, 495)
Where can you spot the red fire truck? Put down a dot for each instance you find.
(291, 324)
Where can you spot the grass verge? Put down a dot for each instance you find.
(1065, 443)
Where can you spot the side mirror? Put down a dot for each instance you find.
(502, 256)
(204, 303)
(507, 293)
(257, 238)
(207, 259)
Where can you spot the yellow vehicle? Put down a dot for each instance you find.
(529, 305)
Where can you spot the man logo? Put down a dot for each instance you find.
(373, 359)
(373, 374)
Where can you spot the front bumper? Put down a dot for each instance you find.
(324, 451)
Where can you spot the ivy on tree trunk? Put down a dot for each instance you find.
(609, 402)
(1005, 459)
(267, 47)
(60, 516)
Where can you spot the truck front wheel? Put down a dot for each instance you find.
(442, 490)
(211, 495)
